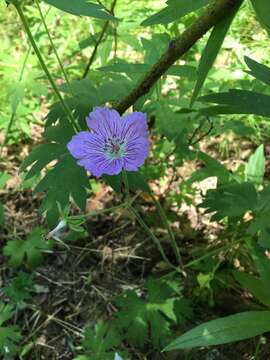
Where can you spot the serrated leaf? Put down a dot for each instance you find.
(210, 52)
(29, 250)
(41, 156)
(256, 166)
(259, 71)
(19, 288)
(212, 168)
(230, 200)
(9, 335)
(142, 319)
(6, 313)
(81, 7)
(99, 342)
(174, 11)
(65, 179)
(224, 330)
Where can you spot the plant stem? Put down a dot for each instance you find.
(125, 180)
(212, 253)
(214, 13)
(99, 40)
(43, 65)
(165, 221)
(53, 47)
(151, 234)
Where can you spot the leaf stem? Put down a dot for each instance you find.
(151, 234)
(165, 221)
(43, 64)
(99, 41)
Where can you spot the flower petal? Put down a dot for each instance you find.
(104, 122)
(101, 165)
(134, 125)
(78, 145)
(136, 153)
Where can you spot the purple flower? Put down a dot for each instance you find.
(113, 144)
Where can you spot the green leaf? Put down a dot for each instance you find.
(259, 71)
(174, 11)
(224, 330)
(255, 286)
(148, 318)
(4, 177)
(29, 250)
(256, 166)
(212, 168)
(136, 182)
(100, 342)
(262, 9)
(210, 53)
(65, 179)
(81, 7)
(230, 200)
(41, 156)
(19, 288)
(130, 69)
(9, 335)
(238, 102)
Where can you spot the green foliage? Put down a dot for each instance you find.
(99, 344)
(231, 200)
(210, 52)
(256, 166)
(81, 7)
(19, 288)
(174, 11)
(224, 330)
(238, 102)
(262, 9)
(259, 71)
(28, 251)
(148, 319)
(9, 335)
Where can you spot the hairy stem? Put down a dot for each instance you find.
(43, 64)
(151, 234)
(99, 41)
(53, 46)
(214, 13)
(169, 229)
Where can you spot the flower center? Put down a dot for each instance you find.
(114, 147)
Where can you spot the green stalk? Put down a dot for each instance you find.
(125, 180)
(151, 234)
(53, 47)
(169, 229)
(43, 65)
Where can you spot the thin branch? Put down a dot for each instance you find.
(99, 41)
(213, 14)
